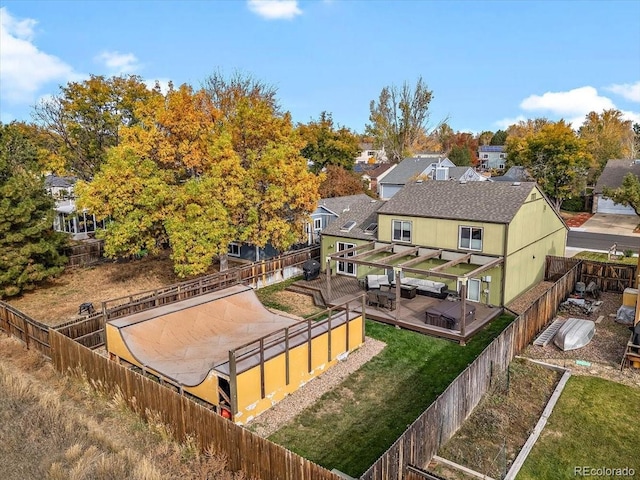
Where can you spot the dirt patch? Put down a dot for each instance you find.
(57, 301)
(298, 304)
(492, 437)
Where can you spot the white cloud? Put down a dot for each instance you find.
(119, 63)
(574, 103)
(24, 69)
(275, 9)
(507, 122)
(630, 91)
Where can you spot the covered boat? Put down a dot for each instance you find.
(575, 333)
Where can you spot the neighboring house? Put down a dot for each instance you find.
(369, 154)
(492, 157)
(503, 230)
(514, 174)
(373, 177)
(328, 210)
(465, 174)
(612, 176)
(79, 224)
(410, 169)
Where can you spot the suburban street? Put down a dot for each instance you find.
(601, 241)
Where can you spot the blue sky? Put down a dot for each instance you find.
(489, 64)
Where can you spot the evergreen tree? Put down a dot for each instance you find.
(29, 248)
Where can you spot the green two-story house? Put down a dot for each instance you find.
(492, 236)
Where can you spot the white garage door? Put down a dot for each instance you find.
(606, 205)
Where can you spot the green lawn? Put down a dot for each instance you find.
(350, 427)
(602, 257)
(595, 424)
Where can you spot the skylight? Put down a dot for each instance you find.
(371, 229)
(348, 226)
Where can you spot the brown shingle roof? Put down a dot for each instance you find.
(473, 201)
(364, 213)
(614, 172)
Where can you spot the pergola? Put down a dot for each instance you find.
(363, 252)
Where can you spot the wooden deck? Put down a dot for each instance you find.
(409, 313)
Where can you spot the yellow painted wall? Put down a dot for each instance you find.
(526, 266)
(250, 402)
(328, 246)
(207, 390)
(534, 221)
(440, 233)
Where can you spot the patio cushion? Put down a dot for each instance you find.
(423, 285)
(377, 281)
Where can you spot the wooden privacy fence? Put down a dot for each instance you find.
(245, 450)
(33, 333)
(255, 274)
(609, 277)
(421, 441)
(88, 252)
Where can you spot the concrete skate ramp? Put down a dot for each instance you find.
(185, 340)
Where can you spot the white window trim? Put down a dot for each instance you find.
(342, 267)
(317, 224)
(393, 231)
(460, 247)
(471, 280)
(233, 244)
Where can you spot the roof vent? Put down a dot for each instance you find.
(463, 181)
(515, 184)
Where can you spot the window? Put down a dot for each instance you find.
(501, 166)
(502, 155)
(486, 155)
(473, 289)
(317, 224)
(470, 238)
(346, 268)
(401, 231)
(234, 250)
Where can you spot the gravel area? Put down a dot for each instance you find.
(525, 300)
(286, 410)
(604, 352)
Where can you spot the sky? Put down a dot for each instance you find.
(488, 64)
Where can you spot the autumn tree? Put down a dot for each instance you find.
(516, 138)
(399, 117)
(607, 136)
(339, 182)
(190, 175)
(86, 118)
(464, 148)
(498, 138)
(30, 251)
(325, 145)
(556, 158)
(485, 137)
(627, 194)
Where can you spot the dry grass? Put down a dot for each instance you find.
(491, 438)
(52, 427)
(57, 301)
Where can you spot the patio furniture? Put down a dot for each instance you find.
(387, 300)
(448, 314)
(374, 282)
(372, 298)
(426, 287)
(86, 308)
(408, 291)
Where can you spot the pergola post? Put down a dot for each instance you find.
(396, 277)
(328, 277)
(463, 294)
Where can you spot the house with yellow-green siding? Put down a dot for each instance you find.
(492, 236)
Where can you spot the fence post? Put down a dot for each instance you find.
(26, 331)
(233, 387)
